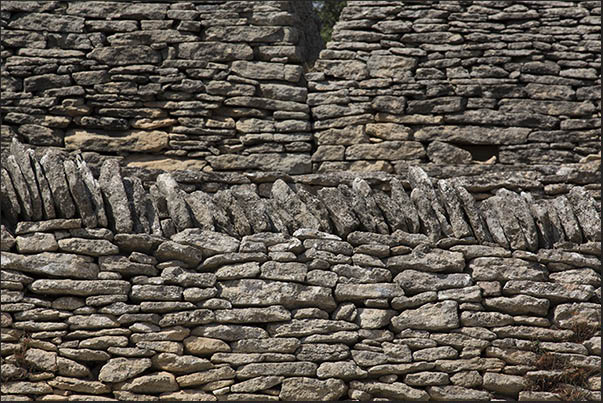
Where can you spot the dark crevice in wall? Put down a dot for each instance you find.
(482, 152)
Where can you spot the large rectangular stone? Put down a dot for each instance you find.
(51, 264)
(83, 288)
(387, 150)
(362, 292)
(265, 292)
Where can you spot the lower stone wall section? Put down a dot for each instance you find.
(326, 292)
(91, 314)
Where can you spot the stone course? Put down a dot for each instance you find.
(325, 301)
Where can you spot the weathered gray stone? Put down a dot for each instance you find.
(234, 211)
(266, 292)
(180, 363)
(317, 208)
(414, 282)
(44, 187)
(201, 210)
(114, 192)
(519, 305)
(266, 71)
(505, 384)
(289, 201)
(209, 242)
(55, 174)
(427, 216)
(20, 186)
(81, 196)
(153, 383)
(399, 196)
(569, 316)
(288, 369)
(304, 388)
(254, 207)
(521, 210)
(340, 213)
(33, 243)
(456, 393)
(426, 379)
(485, 319)
(230, 332)
(361, 292)
(577, 276)
(54, 264)
(555, 292)
(395, 390)
(23, 158)
(176, 204)
(568, 219)
(305, 327)
(91, 247)
(94, 191)
(501, 269)
(150, 292)
(391, 211)
(253, 315)
(585, 209)
(438, 316)
(433, 260)
(125, 266)
(170, 250)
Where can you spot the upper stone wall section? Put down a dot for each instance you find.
(214, 84)
(458, 82)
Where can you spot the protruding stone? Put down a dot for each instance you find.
(584, 207)
(114, 192)
(94, 191)
(473, 213)
(399, 196)
(419, 180)
(568, 219)
(289, 201)
(209, 242)
(176, 204)
(45, 192)
(429, 222)
(81, 196)
(303, 388)
(450, 199)
(234, 211)
(55, 174)
(53, 264)
(340, 212)
(20, 186)
(23, 160)
(438, 316)
(521, 210)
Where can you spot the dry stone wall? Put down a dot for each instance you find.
(459, 83)
(115, 290)
(214, 84)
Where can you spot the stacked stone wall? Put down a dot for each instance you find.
(215, 85)
(455, 85)
(402, 288)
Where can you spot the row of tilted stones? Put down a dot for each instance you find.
(415, 80)
(177, 79)
(53, 187)
(90, 314)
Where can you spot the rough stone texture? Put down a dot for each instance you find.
(128, 58)
(246, 285)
